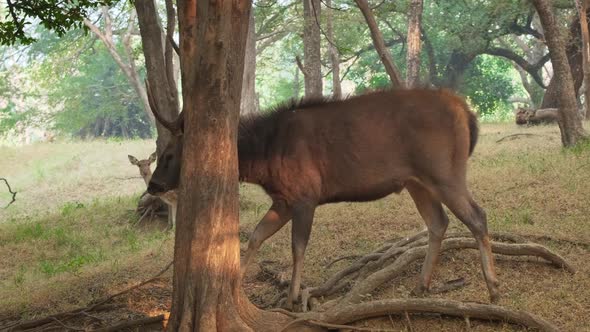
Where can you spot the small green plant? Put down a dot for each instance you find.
(70, 207)
(19, 276)
(582, 147)
(130, 237)
(29, 231)
(38, 170)
(524, 216)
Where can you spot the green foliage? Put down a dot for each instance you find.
(95, 97)
(56, 15)
(488, 84)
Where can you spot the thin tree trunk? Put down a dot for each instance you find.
(582, 10)
(570, 122)
(414, 43)
(334, 56)
(159, 68)
(312, 49)
(207, 294)
(296, 84)
(249, 104)
(128, 68)
(384, 54)
(432, 72)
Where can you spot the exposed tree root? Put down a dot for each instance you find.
(515, 136)
(411, 249)
(371, 271)
(345, 314)
(450, 285)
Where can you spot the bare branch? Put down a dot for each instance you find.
(532, 69)
(10, 191)
(382, 50)
(300, 65)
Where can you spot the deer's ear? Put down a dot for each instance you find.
(153, 157)
(132, 160)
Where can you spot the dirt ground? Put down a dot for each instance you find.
(67, 243)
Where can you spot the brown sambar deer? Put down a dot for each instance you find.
(359, 149)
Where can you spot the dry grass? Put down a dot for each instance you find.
(57, 255)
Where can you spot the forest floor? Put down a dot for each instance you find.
(70, 239)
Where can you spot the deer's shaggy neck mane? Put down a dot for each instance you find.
(257, 134)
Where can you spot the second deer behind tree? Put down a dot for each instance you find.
(169, 197)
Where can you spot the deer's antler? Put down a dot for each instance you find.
(176, 127)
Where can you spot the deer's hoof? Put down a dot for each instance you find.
(419, 291)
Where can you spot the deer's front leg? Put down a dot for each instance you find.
(276, 217)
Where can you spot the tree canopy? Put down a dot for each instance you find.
(477, 47)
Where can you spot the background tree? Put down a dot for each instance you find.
(582, 12)
(312, 62)
(125, 61)
(380, 46)
(334, 55)
(570, 123)
(249, 103)
(159, 56)
(414, 43)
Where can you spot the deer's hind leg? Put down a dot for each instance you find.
(301, 229)
(436, 221)
(458, 199)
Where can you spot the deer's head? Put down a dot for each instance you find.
(144, 166)
(167, 174)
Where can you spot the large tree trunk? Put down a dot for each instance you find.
(583, 10)
(570, 122)
(249, 103)
(384, 54)
(207, 293)
(334, 55)
(414, 43)
(312, 49)
(158, 63)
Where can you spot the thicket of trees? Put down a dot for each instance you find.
(92, 76)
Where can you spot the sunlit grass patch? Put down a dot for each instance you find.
(77, 238)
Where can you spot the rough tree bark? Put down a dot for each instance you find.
(582, 10)
(207, 293)
(570, 123)
(414, 43)
(334, 55)
(384, 54)
(157, 50)
(249, 104)
(312, 73)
